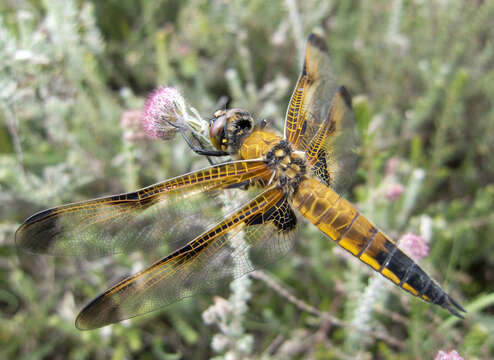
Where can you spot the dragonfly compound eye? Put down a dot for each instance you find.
(217, 131)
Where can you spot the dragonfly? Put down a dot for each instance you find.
(283, 177)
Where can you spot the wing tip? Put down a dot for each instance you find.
(317, 41)
(31, 235)
(345, 94)
(92, 317)
(40, 215)
(81, 325)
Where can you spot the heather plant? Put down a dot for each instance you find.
(75, 77)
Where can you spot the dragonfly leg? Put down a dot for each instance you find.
(198, 150)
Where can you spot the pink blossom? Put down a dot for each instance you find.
(414, 245)
(164, 106)
(394, 191)
(452, 355)
(130, 123)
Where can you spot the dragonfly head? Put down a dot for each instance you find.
(229, 128)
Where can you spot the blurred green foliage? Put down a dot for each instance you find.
(422, 77)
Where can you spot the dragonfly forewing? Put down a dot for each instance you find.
(142, 219)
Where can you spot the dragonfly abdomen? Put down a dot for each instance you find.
(338, 219)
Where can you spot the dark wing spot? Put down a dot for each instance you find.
(320, 168)
(318, 42)
(346, 96)
(99, 312)
(281, 215)
(304, 128)
(309, 79)
(240, 185)
(38, 216)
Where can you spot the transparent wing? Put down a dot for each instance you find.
(258, 233)
(319, 113)
(172, 210)
(332, 151)
(312, 95)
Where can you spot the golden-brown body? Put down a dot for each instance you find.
(341, 222)
(300, 173)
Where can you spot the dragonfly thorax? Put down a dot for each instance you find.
(288, 166)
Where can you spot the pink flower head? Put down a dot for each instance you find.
(165, 105)
(452, 355)
(394, 191)
(414, 245)
(130, 123)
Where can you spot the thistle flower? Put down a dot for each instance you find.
(414, 245)
(394, 191)
(452, 355)
(164, 107)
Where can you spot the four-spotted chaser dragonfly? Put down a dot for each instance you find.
(290, 176)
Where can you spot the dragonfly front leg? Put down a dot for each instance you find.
(201, 150)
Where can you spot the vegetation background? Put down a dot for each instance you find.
(422, 76)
